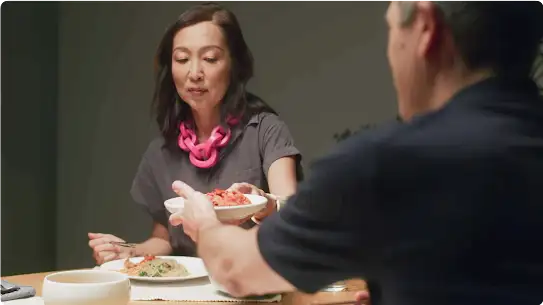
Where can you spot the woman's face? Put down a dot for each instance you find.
(201, 65)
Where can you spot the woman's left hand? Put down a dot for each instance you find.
(247, 188)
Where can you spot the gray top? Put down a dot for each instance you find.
(247, 158)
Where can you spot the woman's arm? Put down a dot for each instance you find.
(146, 193)
(104, 250)
(157, 244)
(282, 182)
(282, 177)
(280, 160)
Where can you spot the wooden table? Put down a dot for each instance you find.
(296, 298)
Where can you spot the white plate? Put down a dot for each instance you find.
(194, 265)
(224, 213)
(222, 290)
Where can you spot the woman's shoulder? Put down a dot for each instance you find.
(265, 119)
(159, 158)
(156, 150)
(155, 146)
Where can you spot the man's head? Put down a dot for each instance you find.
(436, 48)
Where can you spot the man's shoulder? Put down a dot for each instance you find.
(440, 128)
(383, 137)
(359, 153)
(422, 136)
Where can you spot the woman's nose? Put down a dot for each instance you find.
(195, 72)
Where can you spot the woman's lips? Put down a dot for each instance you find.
(197, 91)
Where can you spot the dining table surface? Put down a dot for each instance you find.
(294, 298)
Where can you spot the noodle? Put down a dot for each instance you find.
(151, 266)
(227, 198)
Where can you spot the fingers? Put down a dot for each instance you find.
(103, 239)
(104, 257)
(101, 235)
(110, 257)
(191, 196)
(105, 253)
(107, 248)
(191, 230)
(182, 189)
(176, 219)
(270, 208)
(240, 187)
(246, 188)
(362, 297)
(263, 214)
(108, 252)
(103, 250)
(95, 235)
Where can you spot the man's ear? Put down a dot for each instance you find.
(428, 24)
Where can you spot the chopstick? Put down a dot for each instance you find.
(122, 244)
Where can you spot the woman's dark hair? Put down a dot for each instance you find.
(168, 106)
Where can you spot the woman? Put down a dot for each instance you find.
(213, 132)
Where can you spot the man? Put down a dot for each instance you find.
(446, 208)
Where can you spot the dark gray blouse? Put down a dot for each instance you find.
(247, 158)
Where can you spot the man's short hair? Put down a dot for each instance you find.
(501, 36)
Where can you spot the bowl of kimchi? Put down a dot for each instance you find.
(228, 205)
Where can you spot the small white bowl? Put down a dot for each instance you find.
(85, 287)
(224, 213)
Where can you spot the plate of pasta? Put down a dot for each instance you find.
(228, 205)
(158, 268)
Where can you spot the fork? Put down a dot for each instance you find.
(123, 244)
(8, 290)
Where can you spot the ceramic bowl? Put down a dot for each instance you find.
(224, 213)
(86, 287)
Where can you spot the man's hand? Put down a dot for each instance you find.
(247, 188)
(198, 212)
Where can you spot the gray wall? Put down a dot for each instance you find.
(322, 65)
(29, 114)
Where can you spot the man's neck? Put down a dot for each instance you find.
(446, 85)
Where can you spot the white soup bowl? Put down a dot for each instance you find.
(86, 287)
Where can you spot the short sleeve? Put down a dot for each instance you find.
(315, 239)
(276, 142)
(146, 192)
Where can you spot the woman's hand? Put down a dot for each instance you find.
(104, 251)
(247, 188)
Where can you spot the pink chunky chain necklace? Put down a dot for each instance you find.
(206, 154)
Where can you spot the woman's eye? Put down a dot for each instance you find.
(210, 60)
(182, 60)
